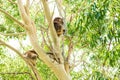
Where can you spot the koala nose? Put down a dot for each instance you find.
(63, 31)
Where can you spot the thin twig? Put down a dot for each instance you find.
(49, 40)
(45, 39)
(24, 12)
(51, 26)
(69, 50)
(17, 73)
(12, 2)
(60, 8)
(13, 34)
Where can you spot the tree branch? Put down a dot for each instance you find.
(31, 31)
(6, 13)
(23, 13)
(44, 40)
(49, 20)
(56, 41)
(12, 2)
(67, 65)
(27, 7)
(13, 34)
(60, 8)
(36, 74)
(16, 73)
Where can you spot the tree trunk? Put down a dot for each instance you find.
(57, 68)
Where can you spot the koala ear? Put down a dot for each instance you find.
(34, 56)
(31, 56)
(25, 55)
(33, 51)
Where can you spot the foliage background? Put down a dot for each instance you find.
(93, 27)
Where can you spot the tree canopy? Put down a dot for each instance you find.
(91, 42)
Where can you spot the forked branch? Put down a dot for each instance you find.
(54, 36)
(36, 74)
(23, 13)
